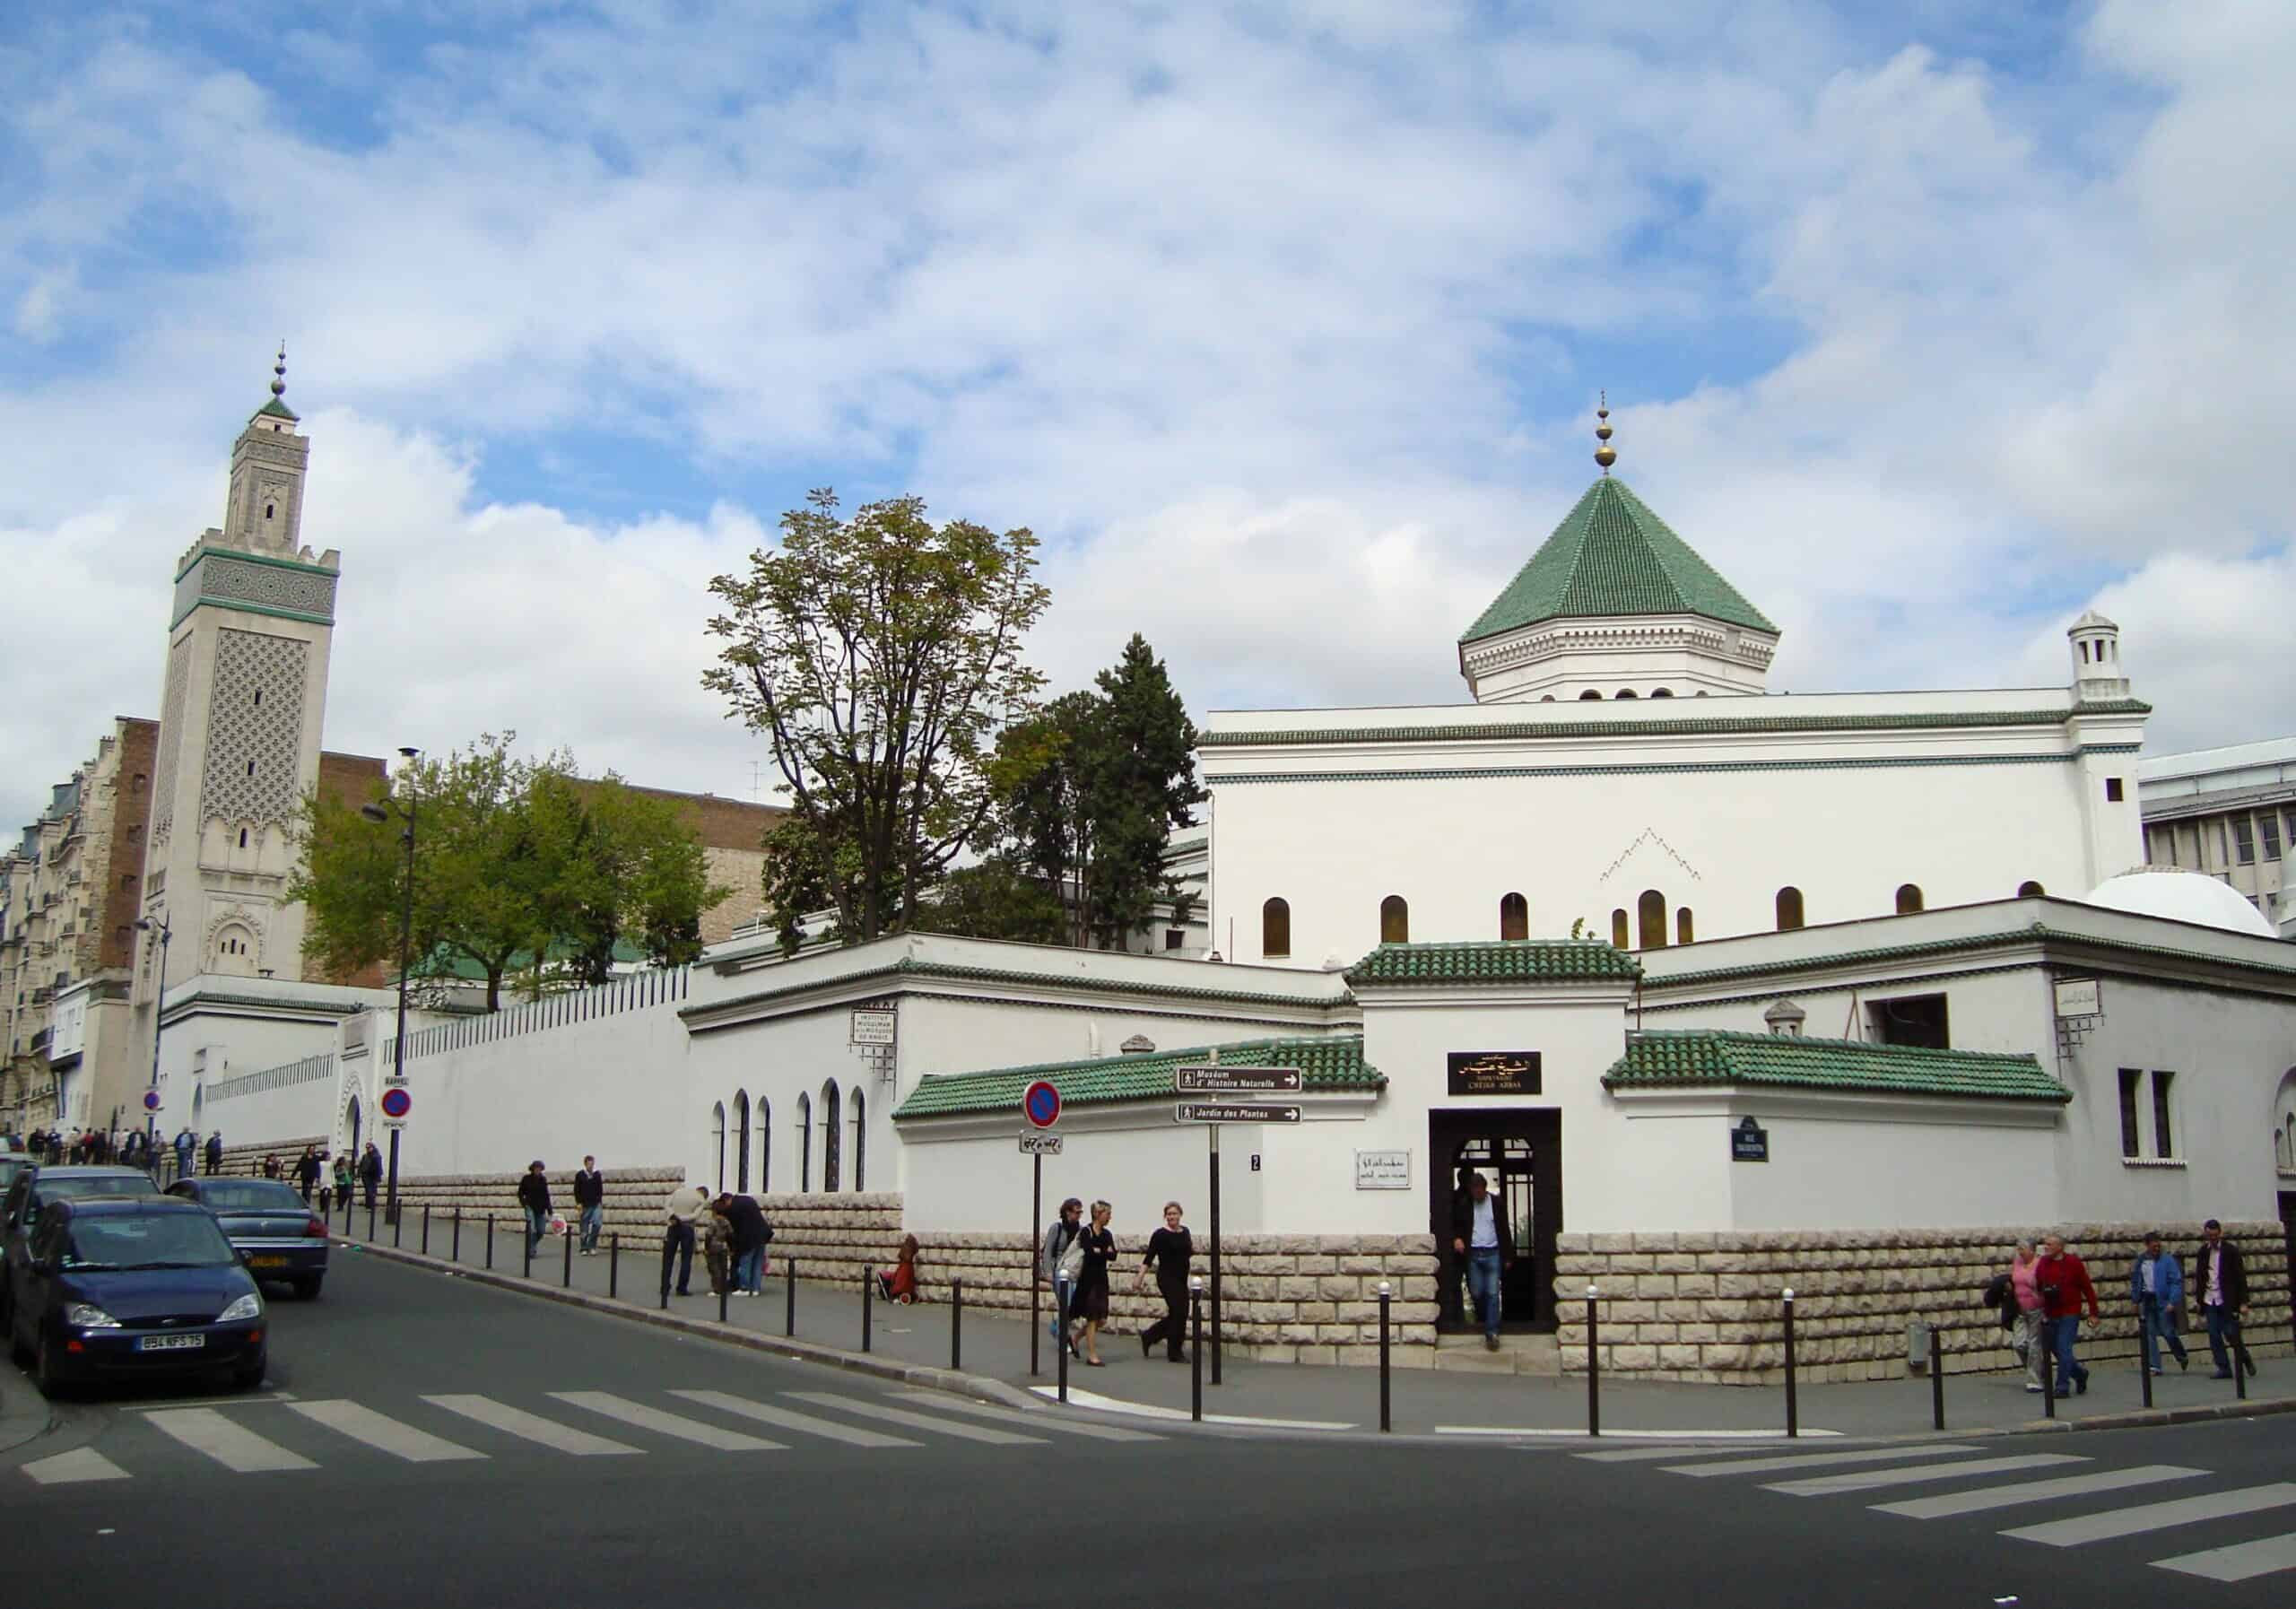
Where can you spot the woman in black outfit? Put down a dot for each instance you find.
(1089, 1302)
(1169, 1251)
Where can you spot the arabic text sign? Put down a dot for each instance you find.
(1235, 1080)
(1383, 1169)
(2079, 997)
(1494, 1072)
(1230, 1111)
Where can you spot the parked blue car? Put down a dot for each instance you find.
(130, 1289)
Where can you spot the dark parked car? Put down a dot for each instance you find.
(123, 1289)
(271, 1226)
(32, 1189)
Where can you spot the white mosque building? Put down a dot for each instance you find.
(1724, 989)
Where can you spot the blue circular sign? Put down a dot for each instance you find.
(1041, 1104)
(396, 1103)
(151, 1100)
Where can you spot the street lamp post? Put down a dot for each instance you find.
(158, 1002)
(377, 813)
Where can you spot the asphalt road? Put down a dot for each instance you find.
(422, 1436)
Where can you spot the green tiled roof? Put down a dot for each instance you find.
(1495, 960)
(1562, 725)
(1612, 555)
(276, 409)
(1660, 1060)
(1324, 1064)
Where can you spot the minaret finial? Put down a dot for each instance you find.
(279, 371)
(1605, 454)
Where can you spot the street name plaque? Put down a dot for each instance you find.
(1232, 1111)
(1235, 1080)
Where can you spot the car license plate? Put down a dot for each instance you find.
(170, 1342)
(266, 1262)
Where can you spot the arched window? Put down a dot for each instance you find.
(1683, 932)
(1514, 916)
(1626, 692)
(832, 1115)
(805, 1142)
(860, 1140)
(1789, 910)
(1394, 920)
(764, 1145)
(1662, 692)
(1650, 919)
(1275, 928)
(1589, 693)
(2029, 890)
(741, 1141)
(717, 1139)
(1618, 930)
(1909, 898)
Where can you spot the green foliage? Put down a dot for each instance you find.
(997, 900)
(881, 656)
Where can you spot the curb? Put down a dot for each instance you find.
(709, 1329)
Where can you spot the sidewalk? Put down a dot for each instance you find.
(1424, 1402)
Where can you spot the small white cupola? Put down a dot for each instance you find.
(2097, 674)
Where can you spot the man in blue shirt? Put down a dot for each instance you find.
(2156, 1285)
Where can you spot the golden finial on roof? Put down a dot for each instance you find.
(279, 372)
(1605, 454)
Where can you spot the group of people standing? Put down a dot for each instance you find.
(1075, 1260)
(315, 1173)
(2043, 1296)
(732, 1233)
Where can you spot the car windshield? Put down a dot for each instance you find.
(251, 1196)
(54, 1188)
(153, 1240)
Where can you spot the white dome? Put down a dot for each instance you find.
(2181, 896)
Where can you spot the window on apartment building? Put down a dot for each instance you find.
(2163, 1135)
(1275, 928)
(2244, 842)
(2112, 790)
(1915, 1020)
(1514, 916)
(1394, 920)
(2268, 824)
(2132, 1081)
(1789, 910)
(1909, 898)
(126, 881)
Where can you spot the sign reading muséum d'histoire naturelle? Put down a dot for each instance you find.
(1494, 1072)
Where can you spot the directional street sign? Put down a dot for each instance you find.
(1033, 1144)
(1235, 1080)
(1040, 1104)
(1229, 1111)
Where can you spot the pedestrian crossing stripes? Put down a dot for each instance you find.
(471, 1428)
(1942, 1462)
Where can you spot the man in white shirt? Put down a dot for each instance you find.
(685, 1205)
(1480, 1238)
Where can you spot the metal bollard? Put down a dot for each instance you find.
(1195, 1348)
(1060, 1317)
(526, 1240)
(2048, 1371)
(1792, 1408)
(1594, 1371)
(426, 1229)
(370, 1223)
(957, 1322)
(566, 1279)
(489, 1241)
(458, 1234)
(2144, 1369)
(613, 1266)
(1386, 1422)
(868, 1295)
(398, 1226)
(1937, 1379)
(2240, 1367)
(725, 1290)
(789, 1293)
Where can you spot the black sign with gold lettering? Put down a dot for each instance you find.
(1494, 1072)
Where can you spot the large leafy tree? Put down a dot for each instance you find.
(879, 656)
(626, 867)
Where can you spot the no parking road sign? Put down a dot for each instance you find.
(151, 1100)
(1041, 1104)
(396, 1104)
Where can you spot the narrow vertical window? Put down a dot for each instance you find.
(2268, 823)
(741, 1145)
(1618, 930)
(1650, 919)
(1789, 910)
(1394, 920)
(832, 1115)
(860, 1140)
(764, 1145)
(2131, 1079)
(1684, 933)
(1514, 917)
(1909, 898)
(2244, 842)
(2112, 790)
(1275, 928)
(717, 1139)
(2164, 1139)
(804, 1142)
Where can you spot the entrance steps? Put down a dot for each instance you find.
(1516, 1354)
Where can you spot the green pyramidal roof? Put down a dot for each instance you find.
(276, 409)
(1612, 555)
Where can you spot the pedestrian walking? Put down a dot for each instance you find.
(1060, 1260)
(684, 1204)
(2032, 1324)
(370, 1171)
(307, 1173)
(899, 1282)
(590, 1198)
(184, 1142)
(1480, 1235)
(2065, 1290)
(533, 1195)
(1088, 1306)
(1170, 1250)
(2221, 1289)
(326, 1186)
(215, 1153)
(2156, 1286)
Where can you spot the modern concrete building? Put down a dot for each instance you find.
(2230, 813)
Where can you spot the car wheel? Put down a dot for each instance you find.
(307, 1289)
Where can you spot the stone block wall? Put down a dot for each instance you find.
(633, 1206)
(1709, 1307)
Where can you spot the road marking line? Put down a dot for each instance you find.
(1549, 1434)
(1115, 1405)
(2156, 1517)
(2036, 1492)
(1870, 1455)
(384, 1434)
(915, 1422)
(790, 1419)
(1027, 1420)
(531, 1427)
(2237, 1563)
(234, 1447)
(668, 1424)
(1865, 1480)
(69, 1469)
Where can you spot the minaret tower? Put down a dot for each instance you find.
(248, 635)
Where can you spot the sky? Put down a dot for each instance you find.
(1929, 325)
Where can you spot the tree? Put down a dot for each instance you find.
(997, 899)
(626, 867)
(881, 656)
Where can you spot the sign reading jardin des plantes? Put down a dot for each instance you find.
(1494, 1072)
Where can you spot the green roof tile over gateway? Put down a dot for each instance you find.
(1612, 555)
(1495, 960)
(1325, 1065)
(1673, 1059)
